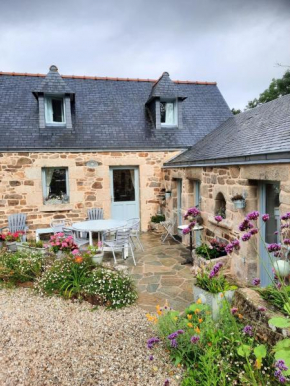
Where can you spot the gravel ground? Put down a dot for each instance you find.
(50, 341)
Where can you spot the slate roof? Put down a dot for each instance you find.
(165, 88)
(258, 135)
(53, 84)
(107, 114)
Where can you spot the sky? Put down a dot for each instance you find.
(236, 43)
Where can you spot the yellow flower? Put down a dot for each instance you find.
(159, 312)
(190, 325)
(197, 330)
(199, 301)
(200, 320)
(189, 317)
(151, 318)
(175, 318)
(197, 311)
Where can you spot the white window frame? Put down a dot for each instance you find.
(43, 177)
(48, 110)
(175, 113)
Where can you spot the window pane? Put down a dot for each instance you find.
(57, 110)
(272, 208)
(56, 185)
(167, 113)
(162, 111)
(124, 185)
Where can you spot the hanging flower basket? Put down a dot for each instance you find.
(167, 195)
(239, 204)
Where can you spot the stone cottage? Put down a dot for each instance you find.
(69, 143)
(247, 155)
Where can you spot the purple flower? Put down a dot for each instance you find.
(265, 217)
(248, 330)
(194, 212)
(280, 364)
(274, 247)
(285, 216)
(278, 254)
(253, 215)
(173, 335)
(218, 219)
(152, 341)
(278, 285)
(192, 225)
(166, 383)
(186, 231)
(194, 339)
(236, 244)
(246, 236)
(282, 379)
(254, 231)
(151, 357)
(262, 309)
(180, 332)
(244, 225)
(215, 270)
(287, 241)
(229, 248)
(256, 281)
(234, 310)
(174, 343)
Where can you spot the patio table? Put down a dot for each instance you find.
(98, 226)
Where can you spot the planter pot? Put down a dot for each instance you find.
(282, 267)
(201, 261)
(167, 195)
(239, 204)
(23, 247)
(1, 244)
(156, 227)
(214, 301)
(11, 246)
(98, 258)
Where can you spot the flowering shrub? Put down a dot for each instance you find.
(222, 352)
(10, 237)
(77, 277)
(212, 251)
(114, 289)
(59, 242)
(20, 266)
(191, 215)
(210, 279)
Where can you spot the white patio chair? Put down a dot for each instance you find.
(134, 224)
(169, 225)
(95, 214)
(17, 223)
(58, 225)
(120, 242)
(78, 240)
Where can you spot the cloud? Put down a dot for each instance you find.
(233, 42)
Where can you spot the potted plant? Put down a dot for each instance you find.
(167, 194)
(2, 239)
(239, 201)
(207, 254)
(34, 246)
(212, 288)
(59, 244)
(96, 253)
(11, 239)
(155, 223)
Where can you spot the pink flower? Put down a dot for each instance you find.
(218, 219)
(186, 231)
(100, 244)
(75, 252)
(265, 217)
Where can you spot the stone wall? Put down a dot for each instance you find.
(21, 184)
(228, 181)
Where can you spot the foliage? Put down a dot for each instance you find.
(158, 218)
(212, 282)
(236, 111)
(274, 296)
(213, 353)
(238, 197)
(20, 266)
(114, 288)
(207, 252)
(77, 277)
(34, 244)
(276, 89)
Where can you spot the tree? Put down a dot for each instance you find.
(277, 88)
(236, 111)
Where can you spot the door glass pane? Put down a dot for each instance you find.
(272, 208)
(124, 185)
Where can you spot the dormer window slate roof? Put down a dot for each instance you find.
(107, 114)
(165, 88)
(54, 101)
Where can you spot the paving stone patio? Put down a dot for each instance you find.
(159, 275)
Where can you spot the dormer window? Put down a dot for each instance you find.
(54, 110)
(168, 113)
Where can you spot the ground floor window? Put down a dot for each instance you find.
(55, 185)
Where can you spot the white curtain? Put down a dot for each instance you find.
(169, 114)
(132, 173)
(48, 110)
(48, 177)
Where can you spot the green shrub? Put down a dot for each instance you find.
(158, 218)
(115, 289)
(20, 266)
(275, 296)
(210, 279)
